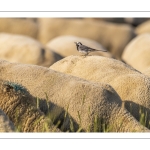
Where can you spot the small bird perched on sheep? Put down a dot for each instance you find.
(85, 49)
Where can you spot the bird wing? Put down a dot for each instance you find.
(86, 48)
(83, 47)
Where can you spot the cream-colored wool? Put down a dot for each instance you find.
(19, 26)
(132, 86)
(86, 102)
(21, 108)
(137, 52)
(5, 124)
(147, 72)
(114, 37)
(23, 49)
(143, 28)
(65, 46)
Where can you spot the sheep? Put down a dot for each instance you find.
(65, 46)
(132, 86)
(21, 109)
(26, 27)
(114, 37)
(143, 27)
(30, 50)
(78, 104)
(137, 52)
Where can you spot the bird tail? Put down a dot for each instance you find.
(103, 50)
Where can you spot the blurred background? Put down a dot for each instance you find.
(43, 41)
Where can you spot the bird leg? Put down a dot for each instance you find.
(85, 55)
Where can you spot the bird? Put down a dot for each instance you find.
(85, 49)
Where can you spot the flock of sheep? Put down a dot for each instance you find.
(47, 86)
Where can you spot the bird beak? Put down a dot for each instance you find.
(75, 42)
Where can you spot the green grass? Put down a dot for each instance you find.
(99, 124)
